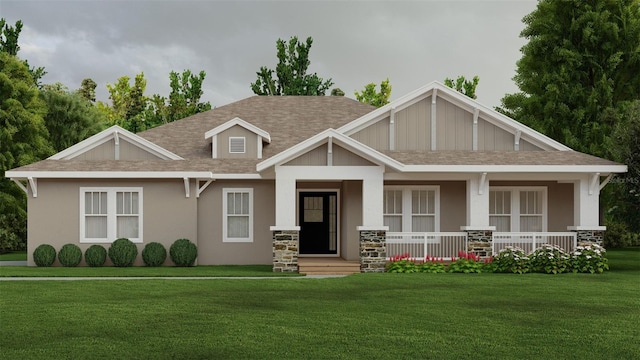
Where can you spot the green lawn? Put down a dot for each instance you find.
(14, 256)
(110, 271)
(364, 316)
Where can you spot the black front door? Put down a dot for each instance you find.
(318, 218)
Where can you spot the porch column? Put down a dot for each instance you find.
(479, 232)
(586, 210)
(373, 199)
(286, 235)
(373, 233)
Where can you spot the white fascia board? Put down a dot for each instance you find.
(108, 174)
(106, 135)
(236, 176)
(237, 121)
(341, 139)
(603, 169)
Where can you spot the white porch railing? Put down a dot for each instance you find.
(529, 242)
(434, 244)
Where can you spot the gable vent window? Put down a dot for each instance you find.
(237, 145)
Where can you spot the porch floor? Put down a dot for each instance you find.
(327, 266)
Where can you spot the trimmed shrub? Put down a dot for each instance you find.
(123, 252)
(589, 259)
(183, 252)
(511, 260)
(44, 255)
(154, 254)
(70, 255)
(549, 259)
(95, 256)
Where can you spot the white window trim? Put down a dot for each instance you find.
(111, 213)
(225, 216)
(515, 204)
(244, 144)
(407, 212)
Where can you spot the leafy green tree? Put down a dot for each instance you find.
(128, 103)
(464, 86)
(625, 143)
(70, 118)
(580, 63)
(291, 72)
(9, 37)
(88, 90)
(337, 92)
(9, 43)
(372, 97)
(186, 91)
(23, 140)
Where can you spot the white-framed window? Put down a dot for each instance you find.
(237, 145)
(237, 215)
(518, 209)
(107, 214)
(412, 208)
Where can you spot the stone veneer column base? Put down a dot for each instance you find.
(285, 250)
(373, 250)
(479, 242)
(585, 237)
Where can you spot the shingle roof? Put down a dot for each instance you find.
(496, 158)
(288, 119)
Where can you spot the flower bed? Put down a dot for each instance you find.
(549, 259)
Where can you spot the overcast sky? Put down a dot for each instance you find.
(354, 42)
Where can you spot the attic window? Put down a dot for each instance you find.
(237, 145)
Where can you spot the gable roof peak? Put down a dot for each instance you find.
(114, 132)
(239, 122)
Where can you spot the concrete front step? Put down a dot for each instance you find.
(328, 266)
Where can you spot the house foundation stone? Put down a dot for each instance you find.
(479, 242)
(373, 250)
(285, 250)
(585, 237)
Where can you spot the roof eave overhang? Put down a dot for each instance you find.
(602, 169)
(21, 175)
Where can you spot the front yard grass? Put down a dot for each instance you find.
(14, 256)
(364, 316)
(142, 271)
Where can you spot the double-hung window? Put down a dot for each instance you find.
(518, 209)
(107, 214)
(237, 208)
(412, 209)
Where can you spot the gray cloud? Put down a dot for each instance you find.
(355, 43)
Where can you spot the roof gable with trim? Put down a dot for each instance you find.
(436, 117)
(125, 145)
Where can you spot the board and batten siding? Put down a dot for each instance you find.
(453, 126)
(251, 143)
(375, 136)
(318, 157)
(413, 127)
(107, 151)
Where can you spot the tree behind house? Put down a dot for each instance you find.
(291, 72)
(370, 96)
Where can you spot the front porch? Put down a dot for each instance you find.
(447, 245)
